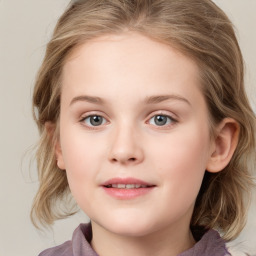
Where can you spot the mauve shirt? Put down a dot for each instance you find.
(211, 244)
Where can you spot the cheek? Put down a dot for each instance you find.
(81, 151)
(181, 162)
(187, 148)
(82, 159)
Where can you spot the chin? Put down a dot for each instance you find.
(131, 231)
(133, 227)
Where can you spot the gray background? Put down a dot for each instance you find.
(25, 28)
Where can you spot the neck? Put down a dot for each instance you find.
(169, 241)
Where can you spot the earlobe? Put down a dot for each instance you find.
(59, 156)
(51, 131)
(224, 145)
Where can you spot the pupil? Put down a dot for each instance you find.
(96, 120)
(160, 120)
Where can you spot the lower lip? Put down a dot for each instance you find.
(126, 194)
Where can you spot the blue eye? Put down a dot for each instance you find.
(161, 120)
(94, 120)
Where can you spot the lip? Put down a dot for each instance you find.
(127, 193)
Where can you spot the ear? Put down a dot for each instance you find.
(224, 145)
(52, 131)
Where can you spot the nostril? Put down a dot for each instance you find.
(127, 160)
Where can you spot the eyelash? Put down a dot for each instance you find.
(90, 126)
(171, 121)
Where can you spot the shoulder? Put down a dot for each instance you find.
(214, 244)
(79, 245)
(210, 244)
(64, 249)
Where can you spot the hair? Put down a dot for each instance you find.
(201, 31)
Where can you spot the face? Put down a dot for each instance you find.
(134, 134)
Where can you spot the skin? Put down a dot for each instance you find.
(127, 72)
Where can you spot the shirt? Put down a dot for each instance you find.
(211, 244)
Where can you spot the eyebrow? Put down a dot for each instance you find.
(149, 100)
(90, 99)
(160, 98)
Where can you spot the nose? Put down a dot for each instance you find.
(126, 148)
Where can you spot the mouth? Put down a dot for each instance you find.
(127, 188)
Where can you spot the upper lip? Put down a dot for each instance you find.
(126, 181)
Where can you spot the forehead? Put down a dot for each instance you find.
(126, 60)
(125, 47)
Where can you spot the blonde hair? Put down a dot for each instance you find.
(200, 30)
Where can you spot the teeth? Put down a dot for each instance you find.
(130, 186)
(126, 186)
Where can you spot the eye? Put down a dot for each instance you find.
(161, 120)
(94, 120)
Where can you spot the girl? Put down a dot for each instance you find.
(144, 118)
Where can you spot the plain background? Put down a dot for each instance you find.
(25, 28)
